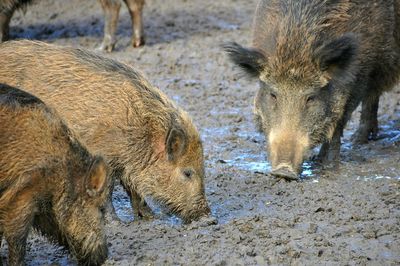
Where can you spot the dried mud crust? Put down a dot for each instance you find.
(351, 216)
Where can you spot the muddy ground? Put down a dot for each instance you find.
(350, 216)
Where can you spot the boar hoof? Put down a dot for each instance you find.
(112, 218)
(363, 135)
(105, 47)
(136, 42)
(285, 173)
(144, 212)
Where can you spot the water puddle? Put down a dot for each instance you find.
(253, 164)
(375, 177)
(123, 209)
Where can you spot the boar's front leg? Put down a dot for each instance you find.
(111, 12)
(16, 228)
(139, 205)
(1, 241)
(368, 128)
(329, 154)
(16, 248)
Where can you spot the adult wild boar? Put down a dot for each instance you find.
(316, 60)
(111, 12)
(148, 142)
(48, 181)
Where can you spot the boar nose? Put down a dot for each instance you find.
(285, 172)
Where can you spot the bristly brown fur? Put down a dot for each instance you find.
(45, 177)
(116, 112)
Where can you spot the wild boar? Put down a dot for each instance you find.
(48, 181)
(148, 142)
(316, 60)
(111, 12)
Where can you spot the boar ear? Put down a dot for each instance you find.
(250, 60)
(96, 179)
(175, 143)
(338, 53)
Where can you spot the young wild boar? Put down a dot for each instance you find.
(111, 12)
(48, 181)
(149, 143)
(316, 61)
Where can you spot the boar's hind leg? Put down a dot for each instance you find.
(135, 10)
(368, 128)
(111, 13)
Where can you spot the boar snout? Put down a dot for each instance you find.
(202, 210)
(286, 150)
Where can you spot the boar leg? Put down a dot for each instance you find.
(46, 224)
(368, 128)
(135, 10)
(16, 229)
(1, 241)
(5, 17)
(111, 214)
(139, 206)
(111, 13)
(329, 154)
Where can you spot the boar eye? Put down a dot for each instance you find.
(273, 96)
(310, 99)
(188, 173)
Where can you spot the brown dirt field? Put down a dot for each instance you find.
(347, 217)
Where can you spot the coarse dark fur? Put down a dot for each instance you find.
(150, 144)
(48, 181)
(316, 61)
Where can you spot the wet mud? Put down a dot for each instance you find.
(350, 216)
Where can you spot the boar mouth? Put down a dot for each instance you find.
(96, 256)
(188, 215)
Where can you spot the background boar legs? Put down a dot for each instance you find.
(111, 12)
(5, 17)
(135, 8)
